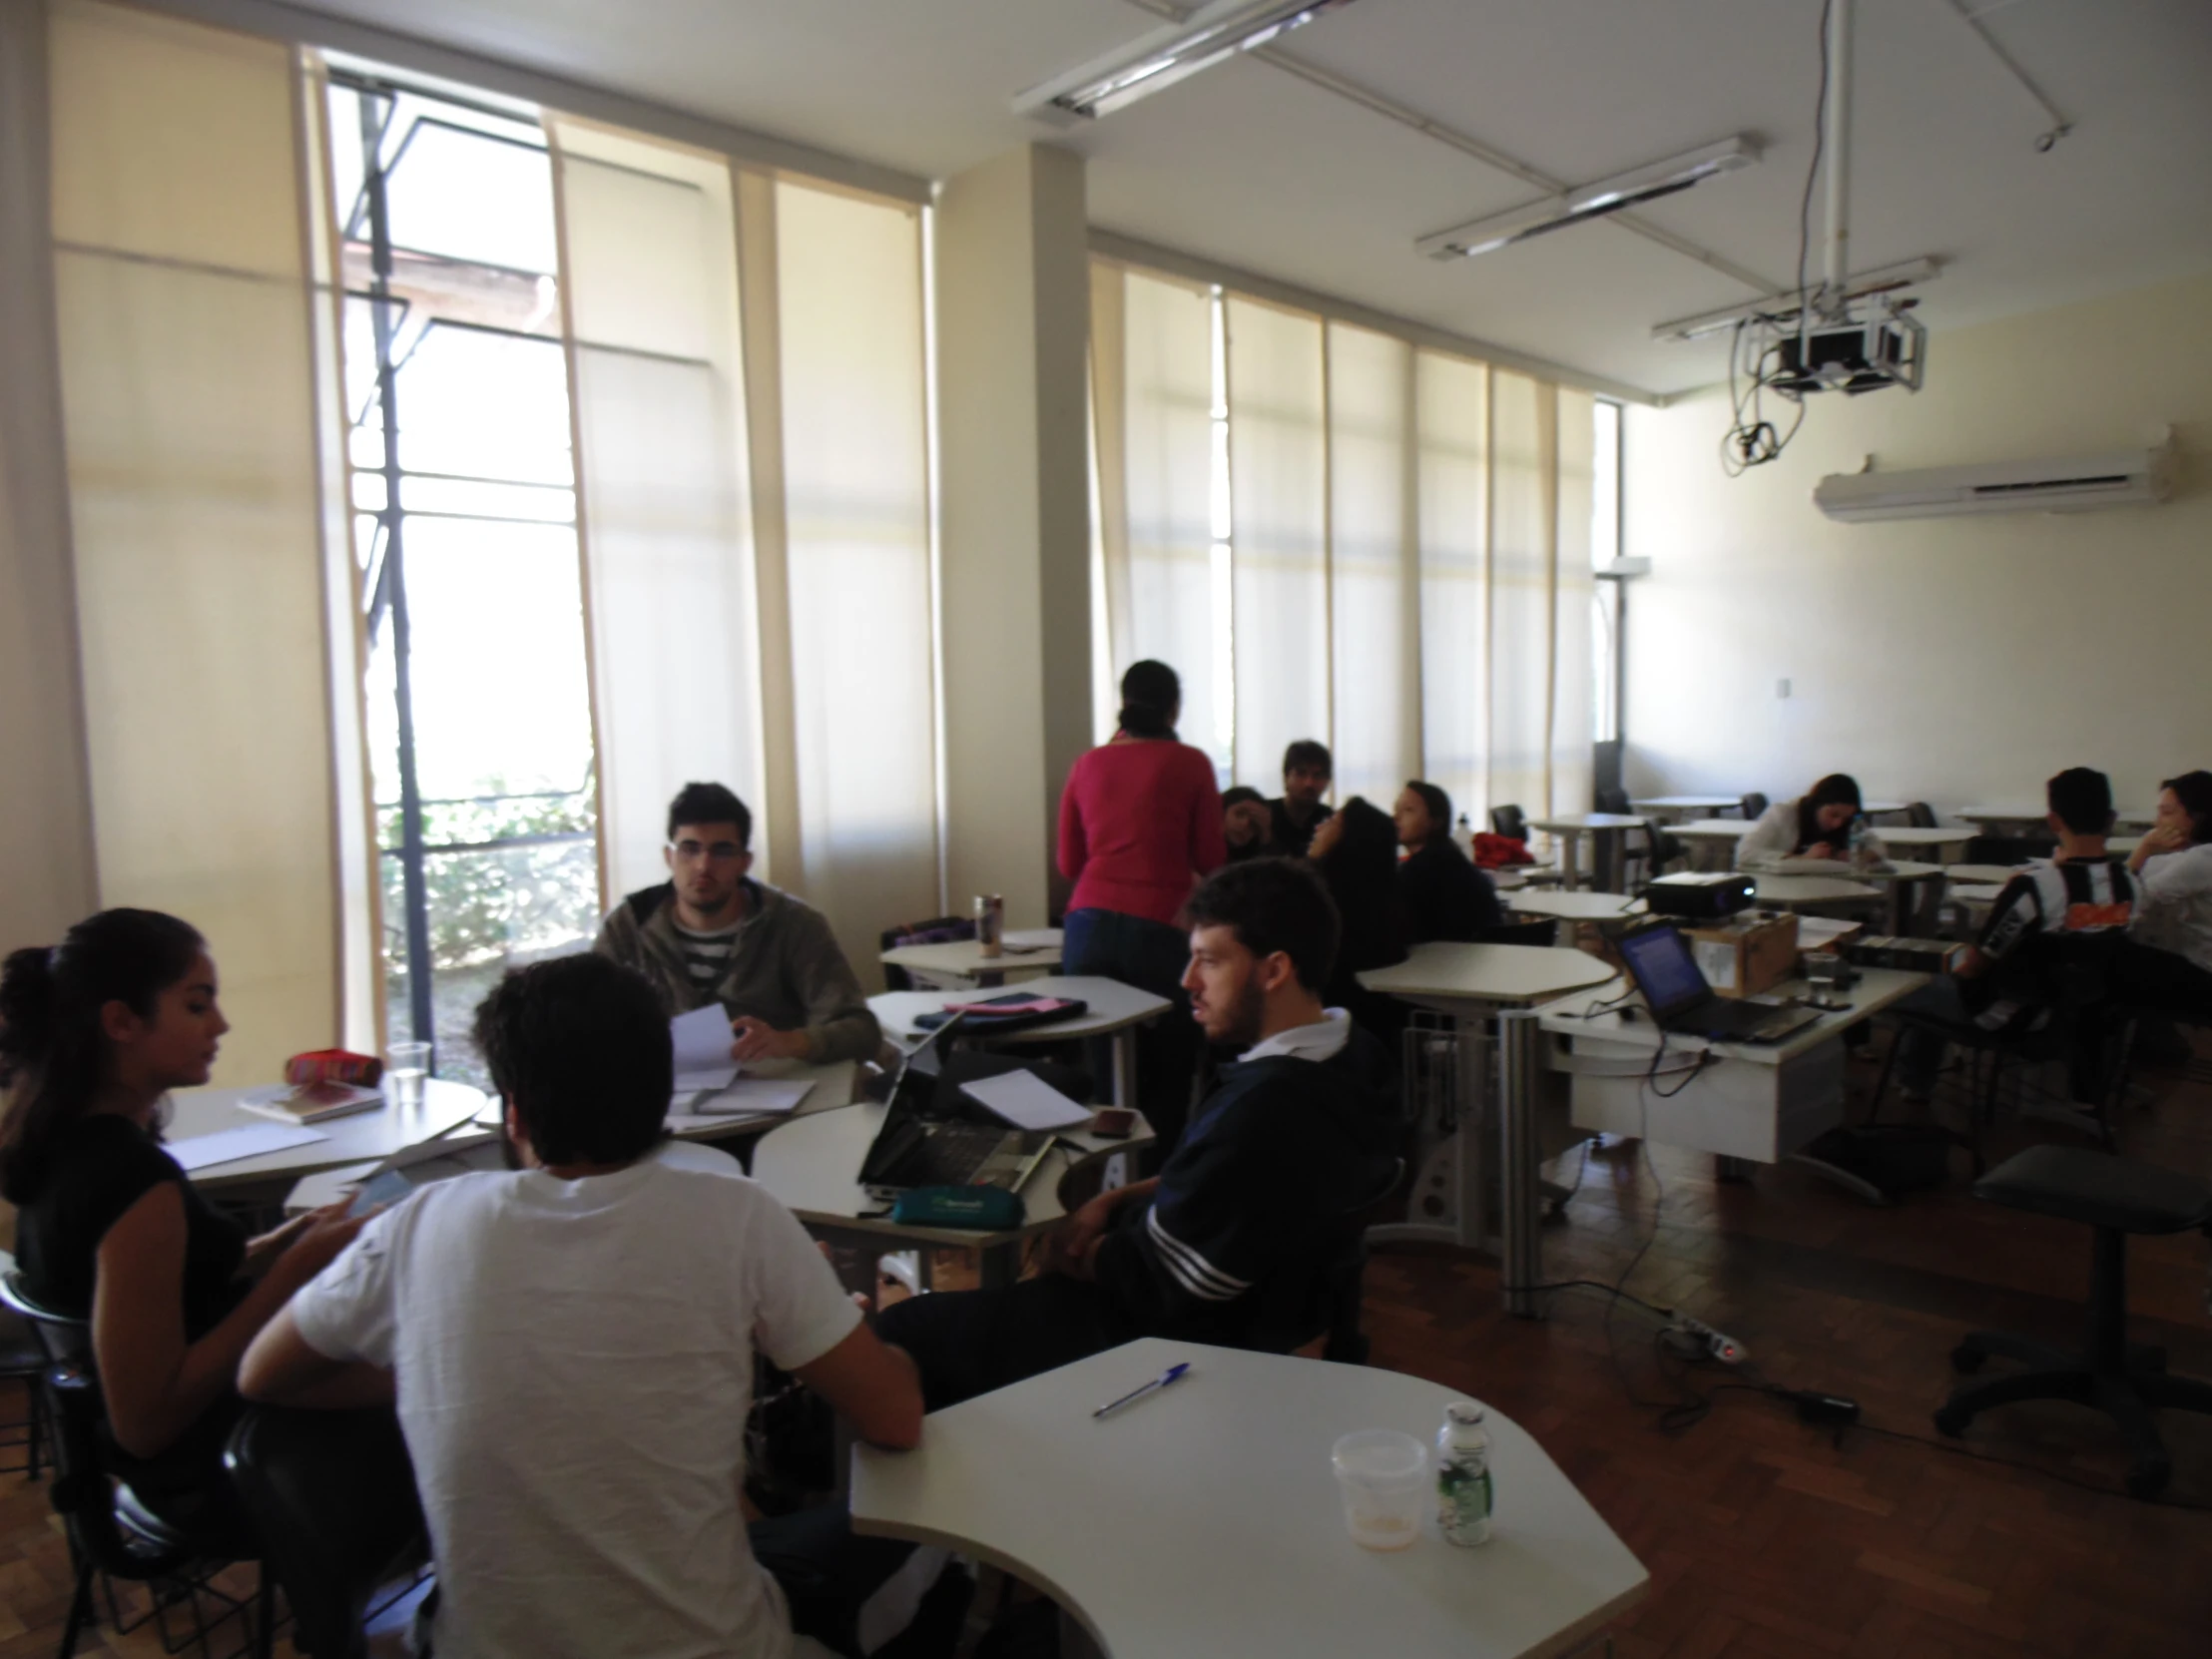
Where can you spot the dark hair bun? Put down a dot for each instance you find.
(26, 1005)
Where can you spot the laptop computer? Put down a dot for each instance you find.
(928, 1142)
(1664, 969)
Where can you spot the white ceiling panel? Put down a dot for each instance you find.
(1256, 168)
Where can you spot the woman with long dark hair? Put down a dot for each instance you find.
(1446, 896)
(94, 1033)
(1356, 851)
(1814, 826)
(1140, 826)
(2173, 902)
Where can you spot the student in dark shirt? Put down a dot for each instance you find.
(1247, 825)
(1356, 851)
(1234, 1240)
(94, 1033)
(1293, 818)
(1445, 895)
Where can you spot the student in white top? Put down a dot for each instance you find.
(1814, 826)
(2173, 911)
(572, 1346)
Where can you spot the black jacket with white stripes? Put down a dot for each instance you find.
(1255, 1205)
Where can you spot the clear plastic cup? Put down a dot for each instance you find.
(407, 1065)
(1383, 1477)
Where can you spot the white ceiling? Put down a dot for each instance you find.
(1252, 166)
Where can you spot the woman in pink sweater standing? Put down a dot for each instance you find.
(1140, 823)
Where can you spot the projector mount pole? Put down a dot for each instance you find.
(1837, 115)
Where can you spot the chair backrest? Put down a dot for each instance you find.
(1612, 800)
(1537, 931)
(936, 930)
(333, 1493)
(1508, 822)
(1920, 816)
(65, 1338)
(1755, 804)
(2004, 849)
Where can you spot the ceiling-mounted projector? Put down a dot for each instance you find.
(1885, 347)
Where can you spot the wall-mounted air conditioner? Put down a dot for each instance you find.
(2128, 478)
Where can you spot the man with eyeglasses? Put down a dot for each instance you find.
(711, 935)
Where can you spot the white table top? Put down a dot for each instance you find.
(1689, 802)
(1899, 869)
(1113, 1006)
(1907, 834)
(1999, 874)
(352, 1139)
(1487, 973)
(1876, 990)
(1809, 890)
(812, 1164)
(1206, 1520)
(1037, 952)
(1710, 829)
(1873, 807)
(2024, 814)
(1569, 822)
(1574, 907)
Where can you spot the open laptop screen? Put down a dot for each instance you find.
(1660, 963)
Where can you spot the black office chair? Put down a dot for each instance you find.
(1344, 1341)
(1536, 930)
(1919, 816)
(1508, 822)
(2007, 850)
(1612, 800)
(23, 1356)
(111, 1532)
(334, 1492)
(1647, 852)
(936, 930)
(2116, 1197)
(1755, 804)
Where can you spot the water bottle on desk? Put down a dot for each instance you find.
(1862, 845)
(1464, 1490)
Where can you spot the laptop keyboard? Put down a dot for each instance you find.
(948, 1157)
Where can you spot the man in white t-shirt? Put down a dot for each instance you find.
(573, 1346)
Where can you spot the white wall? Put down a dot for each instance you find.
(1956, 661)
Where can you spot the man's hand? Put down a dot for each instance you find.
(759, 1041)
(1079, 1235)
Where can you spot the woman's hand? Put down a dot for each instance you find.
(321, 1234)
(2161, 838)
(1326, 837)
(272, 1244)
(1819, 850)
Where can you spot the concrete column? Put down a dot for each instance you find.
(1013, 310)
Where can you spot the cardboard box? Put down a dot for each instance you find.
(1744, 958)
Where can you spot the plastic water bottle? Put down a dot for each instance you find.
(1862, 843)
(1464, 1491)
(1465, 835)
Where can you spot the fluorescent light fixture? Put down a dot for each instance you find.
(1623, 190)
(1171, 53)
(1784, 306)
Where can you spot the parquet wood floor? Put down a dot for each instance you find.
(1767, 1539)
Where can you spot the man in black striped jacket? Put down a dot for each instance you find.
(1236, 1239)
(2006, 982)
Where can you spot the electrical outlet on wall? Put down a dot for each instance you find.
(1782, 687)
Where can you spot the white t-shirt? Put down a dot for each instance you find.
(2173, 903)
(575, 1365)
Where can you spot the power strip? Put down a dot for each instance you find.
(1695, 1339)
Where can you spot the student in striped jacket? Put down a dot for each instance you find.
(2006, 982)
(1237, 1239)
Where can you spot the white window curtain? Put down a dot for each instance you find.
(1374, 574)
(649, 257)
(191, 429)
(856, 489)
(1152, 381)
(1573, 675)
(1279, 538)
(1455, 436)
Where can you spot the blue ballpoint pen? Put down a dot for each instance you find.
(1172, 1374)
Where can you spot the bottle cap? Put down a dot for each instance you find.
(1464, 1411)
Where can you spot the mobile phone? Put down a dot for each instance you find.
(380, 1191)
(1113, 1123)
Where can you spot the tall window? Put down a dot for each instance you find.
(1605, 550)
(463, 481)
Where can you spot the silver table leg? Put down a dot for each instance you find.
(1519, 1053)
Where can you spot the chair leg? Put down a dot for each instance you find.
(1978, 1345)
(1881, 1083)
(2076, 1384)
(264, 1615)
(80, 1611)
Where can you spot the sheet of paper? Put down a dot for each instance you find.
(251, 1140)
(1031, 938)
(755, 1094)
(1027, 1101)
(702, 1038)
